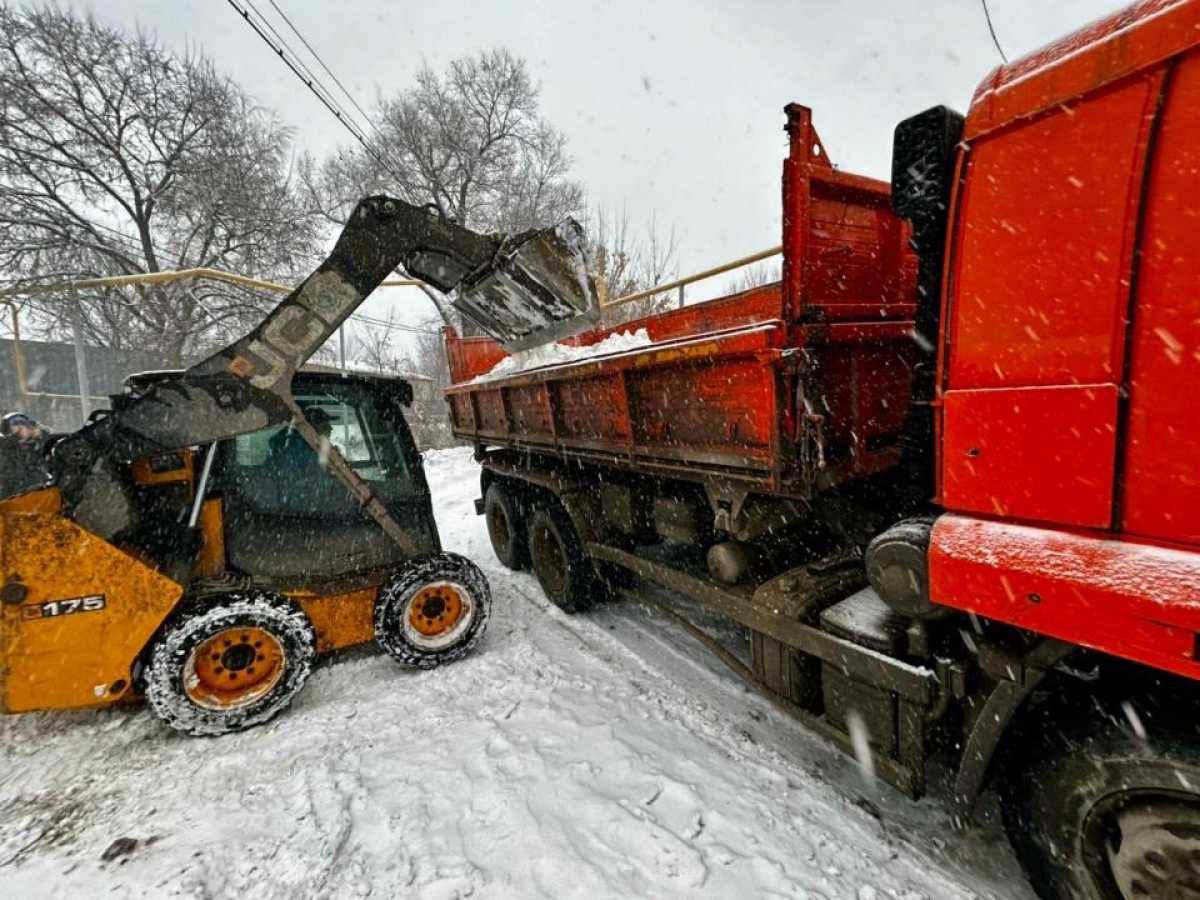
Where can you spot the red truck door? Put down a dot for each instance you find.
(1160, 489)
(1039, 285)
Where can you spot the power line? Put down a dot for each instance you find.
(322, 93)
(995, 40)
(301, 70)
(328, 71)
(313, 79)
(393, 326)
(310, 83)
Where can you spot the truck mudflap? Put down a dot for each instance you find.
(1136, 601)
(1016, 678)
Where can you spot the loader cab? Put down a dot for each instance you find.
(272, 510)
(285, 518)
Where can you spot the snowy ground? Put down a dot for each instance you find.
(600, 755)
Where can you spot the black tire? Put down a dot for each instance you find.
(562, 567)
(230, 664)
(506, 527)
(1096, 813)
(433, 611)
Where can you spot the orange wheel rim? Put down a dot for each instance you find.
(436, 609)
(234, 667)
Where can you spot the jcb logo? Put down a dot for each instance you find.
(55, 608)
(293, 332)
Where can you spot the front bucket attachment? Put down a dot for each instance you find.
(537, 290)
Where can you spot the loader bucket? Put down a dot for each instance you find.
(535, 291)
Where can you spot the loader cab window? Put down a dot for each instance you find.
(274, 470)
(287, 517)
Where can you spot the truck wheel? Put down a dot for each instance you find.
(506, 527)
(1107, 816)
(433, 612)
(559, 562)
(231, 664)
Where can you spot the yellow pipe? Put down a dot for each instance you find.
(699, 276)
(164, 277)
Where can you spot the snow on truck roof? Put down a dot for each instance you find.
(1097, 54)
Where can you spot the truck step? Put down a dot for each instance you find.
(867, 621)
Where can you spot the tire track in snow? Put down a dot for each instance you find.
(594, 637)
(593, 756)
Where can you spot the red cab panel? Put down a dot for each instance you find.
(1161, 483)
(1040, 453)
(1133, 600)
(1046, 229)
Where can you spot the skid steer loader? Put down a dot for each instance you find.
(206, 539)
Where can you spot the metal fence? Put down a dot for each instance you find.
(60, 384)
(49, 390)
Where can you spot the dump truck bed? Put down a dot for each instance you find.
(790, 386)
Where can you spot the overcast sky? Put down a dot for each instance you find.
(673, 108)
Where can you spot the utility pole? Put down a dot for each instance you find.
(85, 394)
(18, 354)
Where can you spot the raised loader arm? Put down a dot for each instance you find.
(523, 290)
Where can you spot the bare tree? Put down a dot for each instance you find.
(628, 262)
(752, 276)
(470, 142)
(423, 363)
(376, 348)
(120, 157)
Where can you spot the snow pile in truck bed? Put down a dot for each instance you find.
(557, 354)
(601, 755)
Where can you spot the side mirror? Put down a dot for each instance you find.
(923, 162)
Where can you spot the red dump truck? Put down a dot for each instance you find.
(944, 472)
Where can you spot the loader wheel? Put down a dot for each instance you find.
(1096, 813)
(506, 527)
(559, 561)
(434, 611)
(230, 665)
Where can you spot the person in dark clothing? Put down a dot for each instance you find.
(22, 463)
(297, 465)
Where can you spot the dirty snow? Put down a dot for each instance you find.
(600, 755)
(557, 354)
